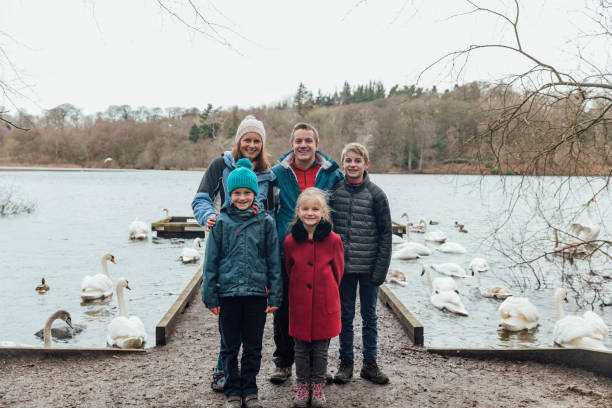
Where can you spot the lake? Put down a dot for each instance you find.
(80, 215)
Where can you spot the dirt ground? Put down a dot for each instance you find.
(177, 375)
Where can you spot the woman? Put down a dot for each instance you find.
(213, 191)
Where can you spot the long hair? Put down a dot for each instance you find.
(313, 193)
(260, 164)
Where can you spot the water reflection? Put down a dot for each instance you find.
(517, 339)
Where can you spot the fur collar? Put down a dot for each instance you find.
(321, 232)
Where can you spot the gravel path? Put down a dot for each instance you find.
(177, 375)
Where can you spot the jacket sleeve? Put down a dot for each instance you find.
(210, 273)
(202, 204)
(383, 256)
(338, 260)
(287, 259)
(275, 281)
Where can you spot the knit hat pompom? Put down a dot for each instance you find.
(250, 124)
(243, 176)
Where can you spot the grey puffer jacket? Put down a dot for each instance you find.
(362, 218)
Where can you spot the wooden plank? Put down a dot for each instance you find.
(397, 228)
(62, 352)
(596, 361)
(411, 325)
(164, 328)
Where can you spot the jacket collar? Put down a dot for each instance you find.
(364, 182)
(327, 164)
(230, 163)
(321, 232)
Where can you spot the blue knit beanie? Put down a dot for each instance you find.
(243, 176)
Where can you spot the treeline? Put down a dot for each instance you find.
(407, 129)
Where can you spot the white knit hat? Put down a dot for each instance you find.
(250, 124)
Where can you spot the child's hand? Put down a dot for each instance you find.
(271, 309)
(212, 220)
(215, 310)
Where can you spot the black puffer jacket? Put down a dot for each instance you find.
(362, 218)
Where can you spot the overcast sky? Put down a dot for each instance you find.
(93, 54)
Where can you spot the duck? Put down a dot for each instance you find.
(479, 264)
(458, 225)
(443, 293)
(60, 314)
(43, 287)
(124, 331)
(517, 314)
(495, 292)
(99, 286)
(138, 229)
(431, 222)
(450, 269)
(586, 331)
(396, 276)
(588, 231)
(461, 229)
(452, 248)
(190, 255)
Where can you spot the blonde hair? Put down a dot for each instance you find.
(313, 193)
(304, 126)
(260, 163)
(357, 148)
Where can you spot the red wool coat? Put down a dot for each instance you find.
(315, 269)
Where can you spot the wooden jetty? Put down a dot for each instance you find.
(177, 227)
(397, 228)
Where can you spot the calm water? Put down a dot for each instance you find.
(81, 215)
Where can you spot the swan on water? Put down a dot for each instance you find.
(479, 264)
(517, 314)
(165, 210)
(100, 285)
(435, 236)
(396, 276)
(43, 287)
(452, 248)
(443, 293)
(192, 254)
(411, 246)
(450, 269)
(124, 331)
(588, 231)
(495, 292)
(60, 314)
(586, 331)
(138, 230)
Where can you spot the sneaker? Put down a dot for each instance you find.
(345, 372)
(371, 372)
(218, 381)
(302, 395)
(318, 395)
(280, 375)
(233, 402)
(251, 401)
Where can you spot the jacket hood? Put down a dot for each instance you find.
(326, 162)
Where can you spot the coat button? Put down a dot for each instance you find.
(309, 286)
(309, 263)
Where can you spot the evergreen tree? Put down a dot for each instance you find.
(194, 133)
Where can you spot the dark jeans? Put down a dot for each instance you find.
(311, 361)
(368, 295)
(219, 366)
(284, 352)
(242, 320)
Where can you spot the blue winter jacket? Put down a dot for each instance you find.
(213, 187)
(287, 183)
(242, 257)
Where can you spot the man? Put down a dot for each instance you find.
(302, 167)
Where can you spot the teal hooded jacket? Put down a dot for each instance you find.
(242, 257)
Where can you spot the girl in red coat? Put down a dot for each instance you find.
(314, 258)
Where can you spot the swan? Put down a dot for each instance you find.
(587, 231)
(436, 236)
(420, 249)
(138, 229)
(419, 228)
(495, 292)
(100, 285)
(43, 287)
(396, 239)
(450, 269)
(192, 254)
(60, 314)
(443, 293)
(124, 331)
(586, 331)
(396, 276)
(478, 264)
(452, 248)
(407, 252)
(165, 210)
(517, 314)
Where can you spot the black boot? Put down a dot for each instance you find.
(345, 372)
(371, 372)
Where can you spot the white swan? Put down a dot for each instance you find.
(435, 236)
(396, 239)
(407, 252)
(452, 248)
(138, 229)
(396, 276)
(586, 231)
(192, 254)
(420, 249)
(518, 313)
(586, 331)
(495, 292)
(165, 210)
(444, 294)
(450, 269)
(60, 314)
(100, 285)
(124, 331)
(479, 264)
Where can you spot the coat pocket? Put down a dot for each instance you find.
(332, 299)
